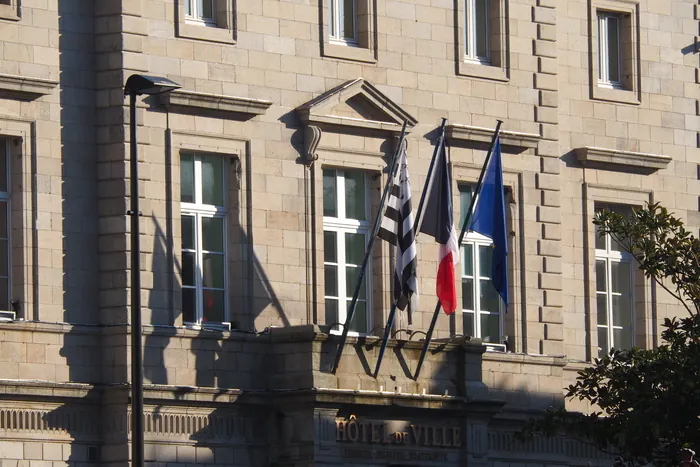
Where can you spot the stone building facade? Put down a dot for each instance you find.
(259, 179)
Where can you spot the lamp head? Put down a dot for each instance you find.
(145, 84)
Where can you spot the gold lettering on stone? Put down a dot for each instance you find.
(376, 432)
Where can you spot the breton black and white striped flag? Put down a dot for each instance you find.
(397, 228)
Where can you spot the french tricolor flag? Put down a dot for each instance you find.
(438, 222)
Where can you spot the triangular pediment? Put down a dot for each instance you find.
(358, 104)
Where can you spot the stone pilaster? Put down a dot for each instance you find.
(550, 329)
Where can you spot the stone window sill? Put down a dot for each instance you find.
(622, 96)
(345, 52)
(205, 33)
(483, 71)
(9, 12)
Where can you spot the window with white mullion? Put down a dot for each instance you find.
(342, 21)
(477, 47)
(200, 11)
(482, 307)
(609, 56)
(204, 234)
(346, 232)
(614, 295)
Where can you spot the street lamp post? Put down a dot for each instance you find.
(137, 85)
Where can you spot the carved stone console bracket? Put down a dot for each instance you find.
(312, 136)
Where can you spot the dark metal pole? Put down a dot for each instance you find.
(385, 339)
(136, 350)
(440, 142)
(462, 233)
(368, 251)
(416, 227)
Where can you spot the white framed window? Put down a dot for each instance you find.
(5, 226)
(345, 235)
(477, 46)
(204, 239)
(609, 56)
(342, 21)
(614, 274)
(201, 11)
(482, 307)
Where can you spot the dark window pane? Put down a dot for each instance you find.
(359, 320)
(213, 180)
(189, 307)
(468, 324)
(188, 268)
(207, 9)
(351, 276)
(187, 223)
(599, 241)
(355, 207)
(490, 299)
(331, 280)
(600, 273)
(5, 294)
(622, 310)
(602, 308)
(4, 224)
(622, 338)
(213, 234)
(468, 260)
(330, 247)
(3, 166)
(468, 294)
(4, 259)
(354, 248)
(188, 7)
(481, 20)
(349, 16)
(187, 178)
(620, 277)
(213, 306)
(213, 270)
(330, 194)
(332, 312)
(465, 200)
(603, 344)
(613, 49)
(331, 18)
(491, 328)
(485, 256)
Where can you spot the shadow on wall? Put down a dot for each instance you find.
(77, 418)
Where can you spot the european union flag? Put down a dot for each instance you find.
(489, 219)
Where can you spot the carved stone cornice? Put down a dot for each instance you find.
(461, 134)
(616, 159)
(200, 101)
(25, 87)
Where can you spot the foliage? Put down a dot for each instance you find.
(647, 402)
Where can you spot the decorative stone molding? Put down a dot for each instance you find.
(457, 134)
(202, 102)
(372, 109)
(615, 159)
(502, 443)
(24, 87)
